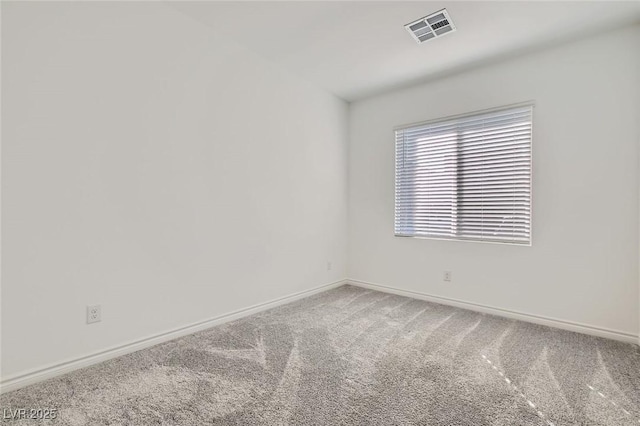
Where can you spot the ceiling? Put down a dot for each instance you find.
(360, 48)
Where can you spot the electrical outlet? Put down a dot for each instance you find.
(94, 314)
(447, 276)
(329, 265)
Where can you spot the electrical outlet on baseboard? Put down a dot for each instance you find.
(94, 314)
(447, 276)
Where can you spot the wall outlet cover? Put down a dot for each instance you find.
(94, 314)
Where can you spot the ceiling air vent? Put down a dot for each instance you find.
(430, 27)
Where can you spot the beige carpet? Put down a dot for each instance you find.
(351, 356)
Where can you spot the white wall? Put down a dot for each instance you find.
(583, 265)
(638, 257)
(159, 171)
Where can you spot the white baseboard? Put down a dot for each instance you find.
(37, 375)
(536, 319)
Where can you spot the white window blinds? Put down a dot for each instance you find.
(466, 178)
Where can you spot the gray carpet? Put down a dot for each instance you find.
(351, 356)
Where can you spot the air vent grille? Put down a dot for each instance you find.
(430, 27)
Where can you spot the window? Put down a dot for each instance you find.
(466, 177)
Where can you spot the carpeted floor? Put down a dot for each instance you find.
(351, 356)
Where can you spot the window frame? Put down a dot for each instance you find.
(525, 104)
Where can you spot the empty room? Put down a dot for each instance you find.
(320, 213)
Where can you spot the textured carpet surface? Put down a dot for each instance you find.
(351, 356)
